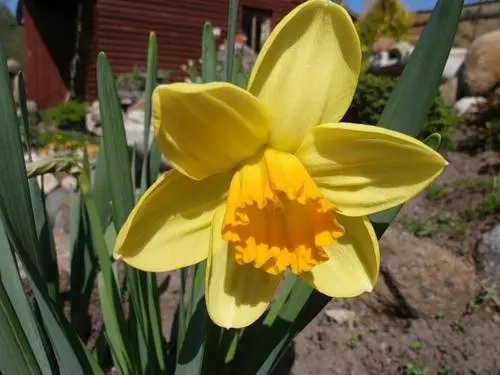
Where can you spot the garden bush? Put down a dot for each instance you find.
(70, 115)
(372, 95)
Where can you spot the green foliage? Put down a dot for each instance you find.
(490, 204)
(372, 95)
(482, 133)
(11, 35)
(386, 18)
(412, 369)
(135, 80)
(67, 115)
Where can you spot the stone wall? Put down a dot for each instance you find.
(477, 19)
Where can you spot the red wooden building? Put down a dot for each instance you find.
(58, 30)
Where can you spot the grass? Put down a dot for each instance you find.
(446, 369)
(354, 340)
(455, 223)
(477, 301)
(412, 369)
(416, 346)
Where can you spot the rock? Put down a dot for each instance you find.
(391, 61)
(482, 65)
(53, 204)
(449, 90)
(468, 107)
(48, 183)
(130, 96)
(390, 58)
(423, 277)
(69, 183)
(32, 107)
(13, 66)
(134, 130)
(340, 316)
(15, 89)
(455, 60)
(487, 260)
(93, 119)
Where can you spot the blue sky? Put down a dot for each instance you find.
(11, 4)
(357, 5)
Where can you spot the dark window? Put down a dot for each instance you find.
(256, 26)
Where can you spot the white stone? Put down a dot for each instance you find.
(13, 66)
(134, 130)
(50, 183)
(32, 107)
(340, 316)
(454, 62)
(69, 182)
(468, 106)
(93, 119)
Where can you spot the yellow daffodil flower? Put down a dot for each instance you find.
(267, 180)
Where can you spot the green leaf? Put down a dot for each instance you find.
(17, 217)
(190, 356)
(100, 188)
(15, 204)
(417, 87)
(208, 55)
(115, 144)
(16, 356)
(9, 277)
(83, 267)
(24, 113)
(231, 38)
(154, 161)
(151, 79)
(123, 200)
(113, 316)
(46, 241)
(433, 141)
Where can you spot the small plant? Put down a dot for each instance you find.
(374, 328)
(457, 325)
(490, 204)
(412, 369)
(416, 346)
(457, 229)
(476, 302)
(354, 340)
(442, 315)
(67, 115)
(435, 192)
(445, 370)
(420, 227)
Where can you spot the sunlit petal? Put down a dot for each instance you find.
(364, 169)
(236, 295)
(307, 71)
(204, 129)
(354, 262)
(169, 228)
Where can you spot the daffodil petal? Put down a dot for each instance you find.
(169, 228)
(236, 296)
(364, 169)
(205, 129)
(354, 262)
(307, 71)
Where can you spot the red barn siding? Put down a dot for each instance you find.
(49, 40)
(121, 29)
